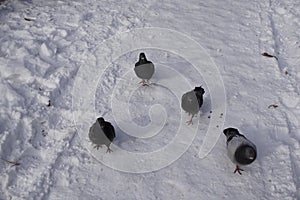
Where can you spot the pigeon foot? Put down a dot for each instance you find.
(144, 83)
(109, 150)
(237, 169)
(189, 122)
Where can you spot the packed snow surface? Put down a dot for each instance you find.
(59, 59)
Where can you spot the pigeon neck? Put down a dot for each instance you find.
(143, 61)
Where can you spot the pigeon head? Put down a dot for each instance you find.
(101, 122)
(245, 154)
(230, 132)
(143, 57)
(199, 90)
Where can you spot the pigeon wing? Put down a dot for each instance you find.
(189, 103)
(96, 134)
(144, 71)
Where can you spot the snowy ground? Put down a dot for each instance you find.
(44, 45)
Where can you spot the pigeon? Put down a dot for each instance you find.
(240, 150)
(192, 101)
(144, 69)
(102, 133)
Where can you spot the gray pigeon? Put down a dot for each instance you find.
(192, 101)
(240, 150)
(144, 69)
(102, 133)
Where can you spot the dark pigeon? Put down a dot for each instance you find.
(240, 150)
(144, 69)
(192, 101)
(102, 133)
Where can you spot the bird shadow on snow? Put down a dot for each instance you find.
(206, 107)
(121, 136)
(157, 76)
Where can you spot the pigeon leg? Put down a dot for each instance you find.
(108, 150)
(144, 83)
(189, 122)
(237, 169)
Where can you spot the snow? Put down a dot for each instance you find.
(80, 56)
